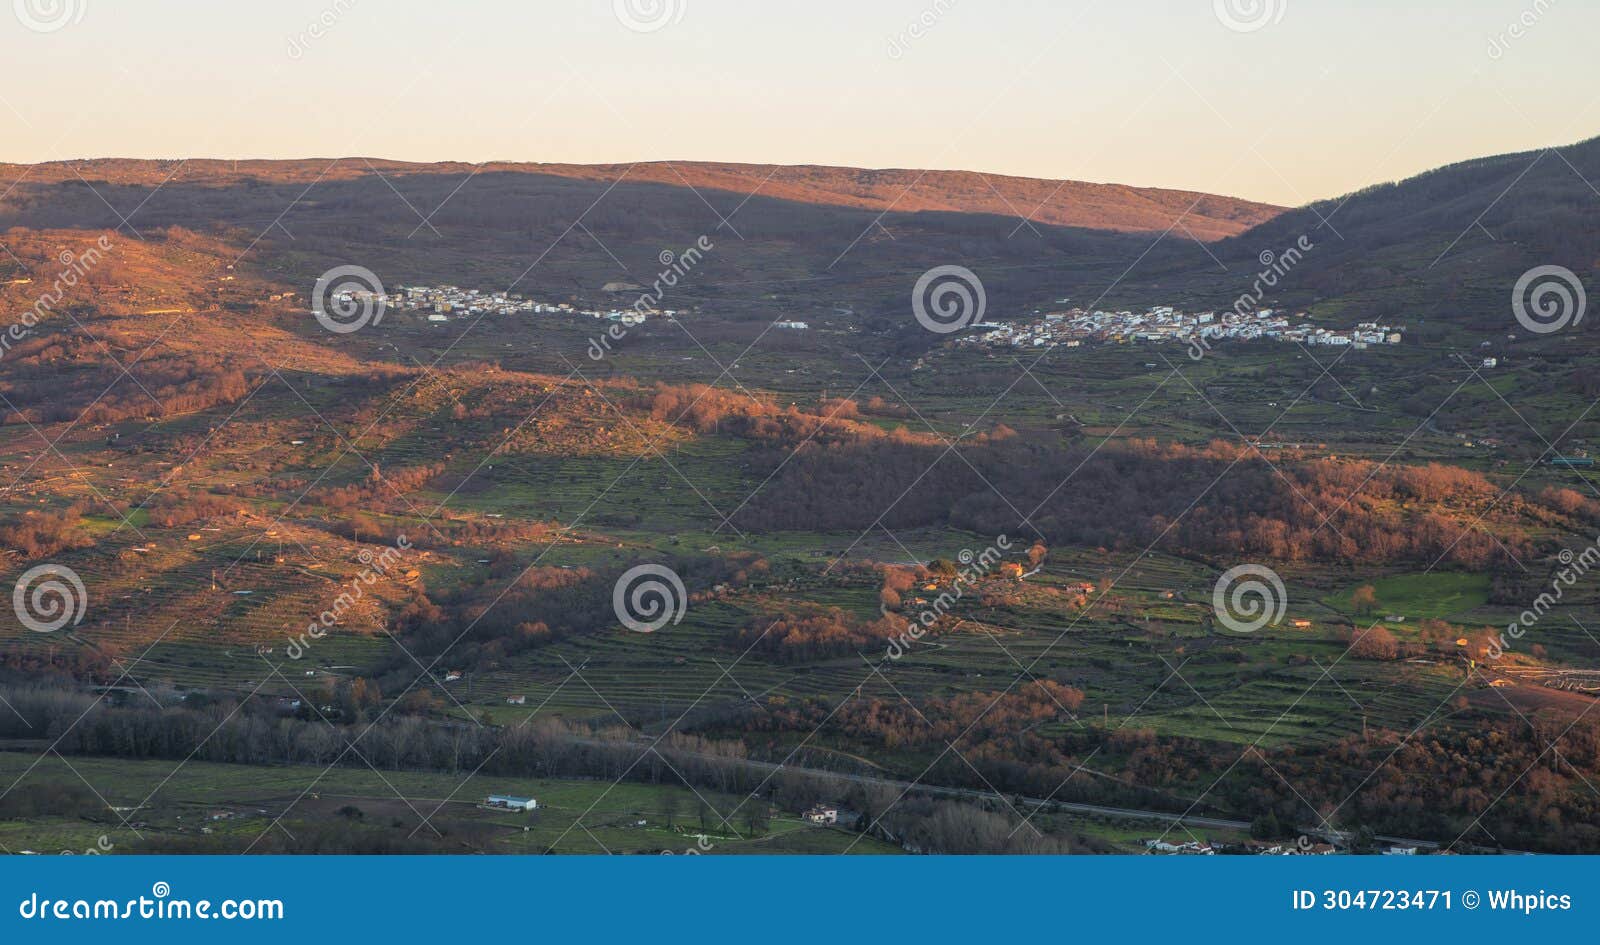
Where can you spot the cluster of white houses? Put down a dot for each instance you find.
(447, 301)
(1074, 327)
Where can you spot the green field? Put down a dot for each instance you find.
(1436, 595)
(228, 807)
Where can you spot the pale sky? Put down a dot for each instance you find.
(1325, 97)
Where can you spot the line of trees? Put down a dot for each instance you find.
(257, 733)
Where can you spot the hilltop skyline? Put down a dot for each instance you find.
(1261, 105)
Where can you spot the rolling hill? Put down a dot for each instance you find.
(1450, 243)
(1109, 207)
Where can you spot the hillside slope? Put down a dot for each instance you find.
(1450, 243)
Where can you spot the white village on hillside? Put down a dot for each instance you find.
(442, 303)
(1075, 327)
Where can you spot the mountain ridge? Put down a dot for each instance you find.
(1120, 208)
